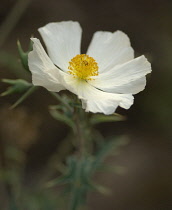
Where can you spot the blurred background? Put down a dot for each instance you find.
(30, 137)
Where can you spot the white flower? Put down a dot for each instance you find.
(104, 78)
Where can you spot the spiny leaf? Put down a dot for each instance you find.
(62, 117)
(24, 55)
(17, 86)
(64, 100)
(24, 96)
(68, 175)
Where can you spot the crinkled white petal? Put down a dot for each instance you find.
(94, 100)
(44, 73)
(126, 78)
(63, 40)
(110, 49)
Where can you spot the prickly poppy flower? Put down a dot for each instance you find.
(104, 78)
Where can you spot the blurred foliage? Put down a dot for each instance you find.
(10, 61)
(79, 173)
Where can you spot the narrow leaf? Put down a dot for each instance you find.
(17, 86)
(62, 117)
(23, 97)
(100, 118)
(24, 55)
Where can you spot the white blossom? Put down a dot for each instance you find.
(104, 78)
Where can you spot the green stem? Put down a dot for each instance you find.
(76, 193)
(79, 133)
(60, 99)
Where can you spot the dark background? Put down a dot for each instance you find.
(147, 181)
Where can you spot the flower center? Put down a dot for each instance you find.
(83, 67)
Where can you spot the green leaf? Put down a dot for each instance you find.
(100, 118)
(102, 189)
(67, 177)
(77, 105)
(61, 116)
(24, 55)
(17, 86)
(59, 181)
(78, 180)
(65, 100)
(24, 96)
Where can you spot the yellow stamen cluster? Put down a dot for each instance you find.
(83, 67)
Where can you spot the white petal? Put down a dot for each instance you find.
(63, 40)
(110, 49)
(126, 78)
(94, 100)
(44, 73)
